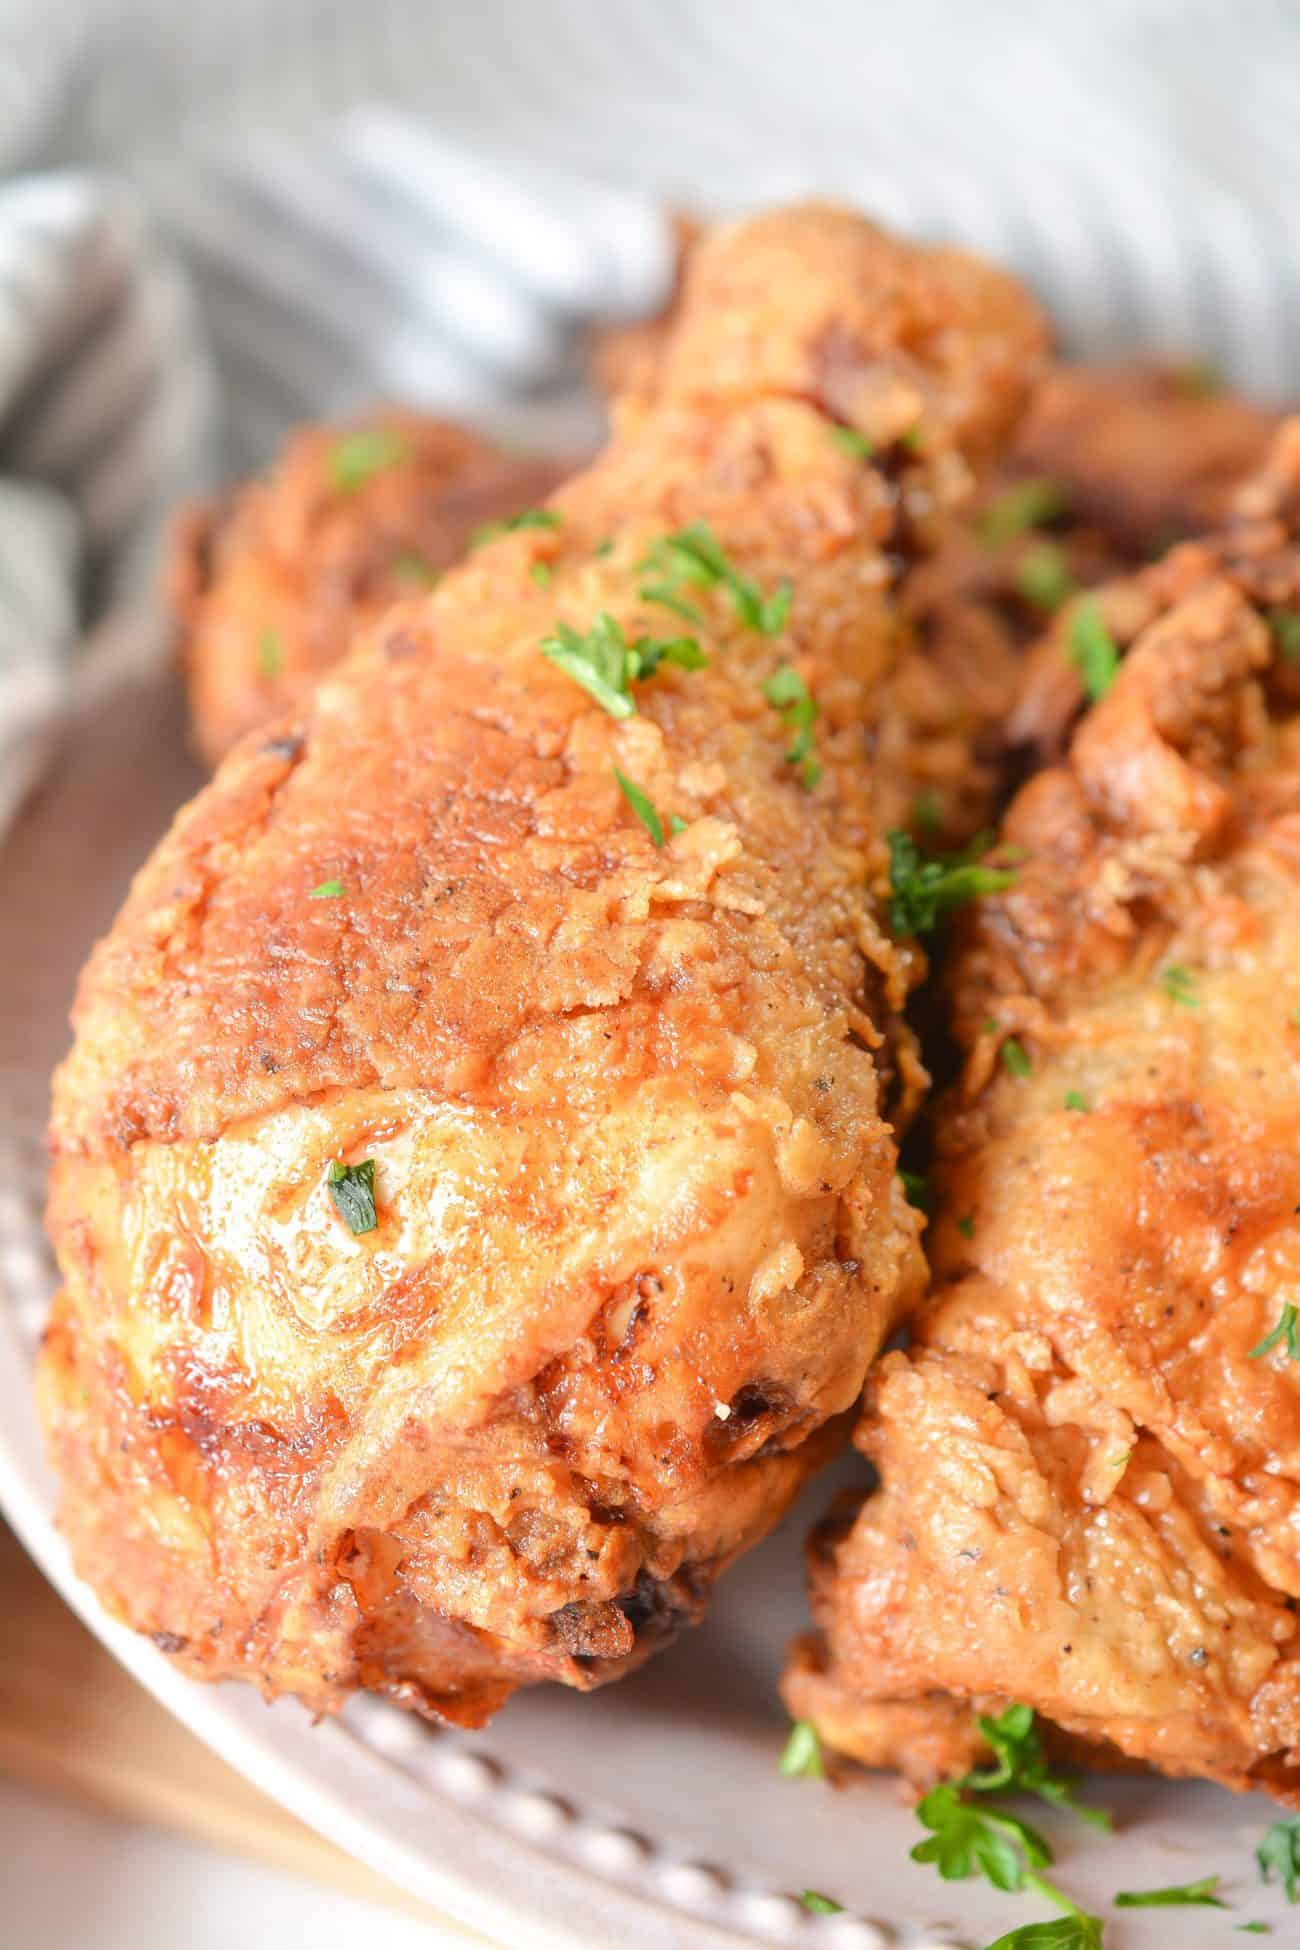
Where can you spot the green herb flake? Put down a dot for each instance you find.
(1285, 626)
(966, 1227)
(1020, 1766)
(513, 524)
(270, 654)
(667, 598)
(694, 557)
(1279, 1855)
(1178, 1895)
(813, 1899)
(542, 574)
(1024, 505)
(1286, 1332)
(328, 890)
(352, 1188)
(1075, 1100)
(854, 444)
(1015, 1058)
(801, 1757)
(358, 457)
(913, 439)
(925, 890)
(641, 806)
(1043, 577)
(1073, 1932)
(788, 695)
(416, 569)
(1093, 650)
(916, 1189)
(927, 811)
(604, 547)
(677, 824)
(1198, 379)
(1179, 984)
(606, 664)
(1254, 1929)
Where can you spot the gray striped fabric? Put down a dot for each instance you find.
(209, 231)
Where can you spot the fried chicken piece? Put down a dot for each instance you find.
(637, 1225)
(1109, 465)
(1089, 1461)
(271, 583)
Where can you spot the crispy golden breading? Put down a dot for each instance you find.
(639, 1231)
(272, 583)
(1090, 1460)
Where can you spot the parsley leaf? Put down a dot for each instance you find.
(802, 1753)
(542, 574)
(1073, 1932)
(1020, 1765)
(1043, 577)
(788, 694)
(1016, 1059)
(927, 810)
(923, 890)
(1179, 984)
(270, 653)
(969, 1840)
(1075, 1100)
(1179, 1894)
(854, 444)
(813, 1899)
(1254, 1929)
(641, 806)
(1279, 1855)
(1285, 625)
(1286, 1331)
(916, 1189)
(1092, 650)
(355, 458)
(966, 1227)
(511, 525)
(1022, 506)
(606, 664)
(694, 556)
(328, 890)
(352, 1188)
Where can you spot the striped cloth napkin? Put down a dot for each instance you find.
(277, 284)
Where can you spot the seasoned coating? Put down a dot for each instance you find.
(638, 1226)
(271, 584)
(1089, 1462)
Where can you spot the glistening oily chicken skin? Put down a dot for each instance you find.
(471, 1184)
(1089, 1460)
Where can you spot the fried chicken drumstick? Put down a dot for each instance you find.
(1089, 1462)
(470, 1183)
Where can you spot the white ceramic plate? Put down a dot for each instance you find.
(649, 1814)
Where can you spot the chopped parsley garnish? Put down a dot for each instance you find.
(1254, 1929)
(1279, 1852)
(1043, 577)
(357, 457)
(966, 1227)
(968, 1838)
(1075, 1100)
(1073, 1932)
(788, 694)
(352, 1188)
(604, 546)
(1015, 1057)
(802, 1753)
(270, 653)
(1285, 625)
(667, 598)
(923, 890)
(1022, 506)
(913, 438)
(695, 557)
(854, 444)
(677, 824)
(641, 806)
(1092, 650)
(542, 574)
(1177, 1896)
(1287, 1333)
(606, 664)
(1179, 984)
(328, 890)
(813, 1899)
(511, 525)
(916, 1189)
(411, 566)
